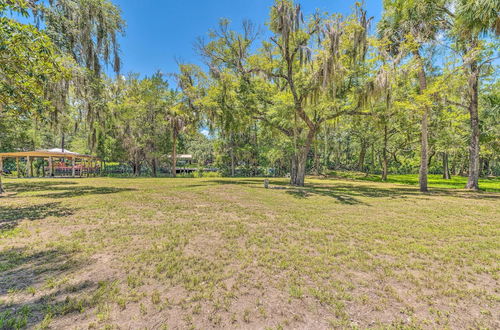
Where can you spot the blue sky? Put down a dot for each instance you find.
(159, 31)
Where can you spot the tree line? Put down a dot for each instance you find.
(416, 92)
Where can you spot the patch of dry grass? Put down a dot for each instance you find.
(211, 253)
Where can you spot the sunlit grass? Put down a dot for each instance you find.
(215, 252)
(434, 180)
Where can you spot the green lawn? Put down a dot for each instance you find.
(434, 181)
(227, 253)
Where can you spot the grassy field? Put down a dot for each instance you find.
(434, 181)
(213, 252)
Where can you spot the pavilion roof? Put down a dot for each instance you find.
(56, 152)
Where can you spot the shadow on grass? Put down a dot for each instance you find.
(10, 216)
(435, 181)
(68, 192)
(340, 197)
(29, 186)
(21, 268)
(245, 181)
(37, 285)
(350, 194)
(61, 189)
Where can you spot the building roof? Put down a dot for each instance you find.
(182, 156)
(55, 152)
(60, 150)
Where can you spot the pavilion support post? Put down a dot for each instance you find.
(29, 168)
(17, 168)
(1, 164)
(51, 167)
(73, 167)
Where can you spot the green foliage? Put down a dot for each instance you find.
(315, 93)
(140, 127)
(201, 148)
(29, 65)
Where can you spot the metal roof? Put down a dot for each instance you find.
(56, 152)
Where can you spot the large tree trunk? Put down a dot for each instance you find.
(174, 153)
(446, 168)
(424, 161)
(298, 172)
(384, 168)
(136, 167)
(424, 128)
(137, 164)
(473, 180)
(299, 175)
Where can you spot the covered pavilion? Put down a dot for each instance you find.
(80, 165)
